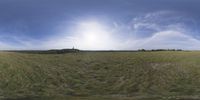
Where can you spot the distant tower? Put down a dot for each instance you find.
(73, 47)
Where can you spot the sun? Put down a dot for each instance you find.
(93, 35)
(91, 31)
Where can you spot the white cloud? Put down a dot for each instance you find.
(167, 40)
(167, 32)
(90, 35)
(94, 35)
(4, 46)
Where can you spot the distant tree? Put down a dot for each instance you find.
(179, 50)
(141, 50)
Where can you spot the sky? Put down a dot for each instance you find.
(99, 24)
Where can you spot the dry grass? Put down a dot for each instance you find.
(100, 73)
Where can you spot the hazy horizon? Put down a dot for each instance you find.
(99, 24)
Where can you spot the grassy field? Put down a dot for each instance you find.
(166, 75)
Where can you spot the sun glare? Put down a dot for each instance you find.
(90, 31)
(92, 34)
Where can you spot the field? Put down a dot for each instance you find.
(164, 75)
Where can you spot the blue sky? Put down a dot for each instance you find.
(100, 24)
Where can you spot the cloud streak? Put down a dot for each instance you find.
(158, 30)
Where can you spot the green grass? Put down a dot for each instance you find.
(165, 74)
